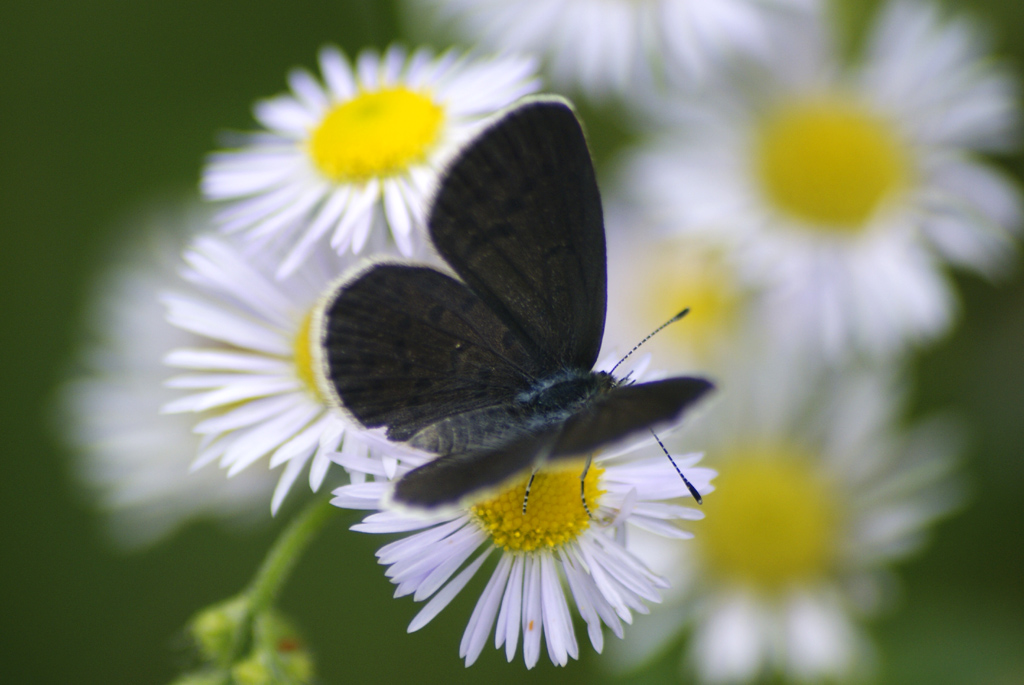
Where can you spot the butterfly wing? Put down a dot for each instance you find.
(626, 410)
(405, 347)
(518, 217)
(619, 413)
(449, 479)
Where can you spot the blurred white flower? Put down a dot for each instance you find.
(653, 278)
(617, 46)
(842, 189)
(134, 458)
(250, 377)
(818, 492)
(553, 545)
(361, 150)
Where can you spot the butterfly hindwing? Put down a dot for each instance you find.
(617, 414)
(518, 217)
(450, 478)
(626, 410)
(406, 347)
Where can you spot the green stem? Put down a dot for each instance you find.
(282, 557)
(275, 569)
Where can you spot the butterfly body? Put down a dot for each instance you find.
(549, 403)
(490, 369)
(560, 396)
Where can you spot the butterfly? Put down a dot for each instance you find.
(492, 371)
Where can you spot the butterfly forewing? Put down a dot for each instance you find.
(408, 346)
(518, 217)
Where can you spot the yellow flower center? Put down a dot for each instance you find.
(830, 163)
(772, 522)
(554, 513)
(303, 356)
(376, 134)
(687, 276)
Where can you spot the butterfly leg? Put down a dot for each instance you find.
(583, 484)
(529, 484)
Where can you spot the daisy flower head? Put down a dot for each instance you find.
(134, 458)
(544, 543)
(818, 493)
(359, 152)
(663, 274)
(603, 47)
(844, 188)
(250, 378)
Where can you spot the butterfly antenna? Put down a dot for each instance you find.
(689, 485)
(653, 333)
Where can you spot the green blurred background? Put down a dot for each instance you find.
(110, 105)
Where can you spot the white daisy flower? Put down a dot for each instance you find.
(359, 150)
(554, 544)
(818, 493)
(617, 46)
(844, 188)
(134, 458)
(654, 278)
(250, 378)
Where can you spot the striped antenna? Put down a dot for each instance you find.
(653, 333)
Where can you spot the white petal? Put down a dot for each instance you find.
(235, 175)
(303, 443)
(244, 388)
(389, 524)
(296, 211)
(284, 115)
(482, 619)
(392, 63)
(246, 414)
(533, 621)
(507, 630)
(368, 70)
(213, 322)
(327, 217)
(308, 91)
(578, 582)
(224, 360)
(820, 638)
(441, 600)
(413, 545)
(291, 473)
(258, 441)
(395, 209)
(561, 641)
(318, 471)
(729, 645)
(457, 554)
(359, 211)
(336, 73)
